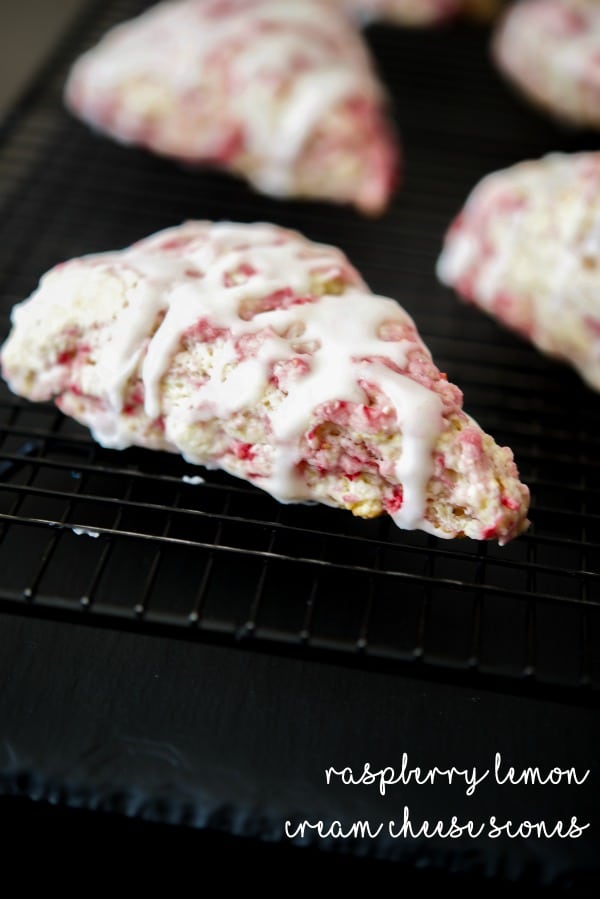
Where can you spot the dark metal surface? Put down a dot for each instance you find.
(207, 736)
(221, 562)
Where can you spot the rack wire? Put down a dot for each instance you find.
(124, 538)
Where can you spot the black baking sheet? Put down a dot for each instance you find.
(222, 563)
(207, 736)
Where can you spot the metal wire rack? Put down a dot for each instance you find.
(126, 539)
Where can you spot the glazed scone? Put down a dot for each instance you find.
(282, 94)
(526, 248)
(251, 349)
(404, 12)
(550, 49)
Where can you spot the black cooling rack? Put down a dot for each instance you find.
(222, 561)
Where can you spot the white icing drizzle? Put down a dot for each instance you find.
(171, 44)
(127, 345)
(341, 333)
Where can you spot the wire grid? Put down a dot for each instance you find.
(222, 559)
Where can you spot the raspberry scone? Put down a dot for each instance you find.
(550, 49)
(526, 248)
(281, 93)
(249, 348)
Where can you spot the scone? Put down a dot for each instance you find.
(281, 93)
(550, 49)
(249, 348)
(526, 248)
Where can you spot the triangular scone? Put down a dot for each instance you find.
(526, 248)
(281, 93)
(251, 349)
(550, 49)
(404, 12)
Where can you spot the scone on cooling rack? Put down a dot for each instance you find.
(282, 94)
(526, 248)
(251, 349)
(550, 50)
